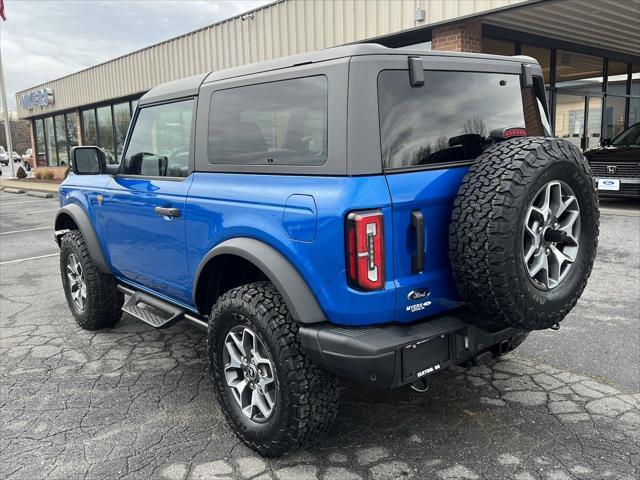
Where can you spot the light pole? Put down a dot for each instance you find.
(5, 109)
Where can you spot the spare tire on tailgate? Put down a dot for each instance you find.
(524, 232)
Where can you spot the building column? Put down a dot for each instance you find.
(459, 37)
(79, 128)
(34, 153)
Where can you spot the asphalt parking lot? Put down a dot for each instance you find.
(134, 402)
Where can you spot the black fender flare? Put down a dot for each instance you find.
(296, 293)
(82, 220)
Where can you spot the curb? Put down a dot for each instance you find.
(39, 194)
(13, 190)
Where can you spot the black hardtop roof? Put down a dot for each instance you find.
(190, 85)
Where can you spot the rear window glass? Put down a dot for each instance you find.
(280, 123)
(449, 119)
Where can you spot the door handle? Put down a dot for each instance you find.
(417, 260)
(167, 211)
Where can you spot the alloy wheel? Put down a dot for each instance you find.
(551, 234)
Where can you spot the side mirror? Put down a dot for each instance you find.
(605, 142)
(88, 161)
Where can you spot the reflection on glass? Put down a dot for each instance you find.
(617, 78)
(447, 120)
(61, 140)
(281, 122)
(121, 122)
(594, 123)
(72, 129)
(578, 72)
(89, 133)
(51, 141)
(41, 146)
(635, 79)
(105, 133)
(570, 118)
(634, 110)
(614, 116)
(543, 56)
(498, 47)
(159, 144)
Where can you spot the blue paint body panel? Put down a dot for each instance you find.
(302, 217)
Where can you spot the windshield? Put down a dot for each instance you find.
(630, 137)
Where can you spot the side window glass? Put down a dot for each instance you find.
(160, 141)
(280, 123)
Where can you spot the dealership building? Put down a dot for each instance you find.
(589, 51)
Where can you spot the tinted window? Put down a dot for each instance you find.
(121, 116)
(273, 123)
(72, 129)
(160, 141)
(450, 117)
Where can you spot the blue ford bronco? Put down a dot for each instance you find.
(360, 212)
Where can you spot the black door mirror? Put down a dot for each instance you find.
(605, 142)
(88, 161)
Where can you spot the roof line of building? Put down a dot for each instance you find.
(395, 38)
(182, 35)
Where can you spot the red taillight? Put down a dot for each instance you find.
(514, 132)
(365, 250)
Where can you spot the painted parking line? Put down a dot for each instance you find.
(35, 200)
(9, 262)
(31, 211)
(27, 230)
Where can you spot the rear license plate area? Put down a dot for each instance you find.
(425, 357)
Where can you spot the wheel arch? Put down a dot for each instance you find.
(268, 262)
(74, 217)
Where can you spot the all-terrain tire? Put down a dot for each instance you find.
(103, 306)
(306, 396)
(486, 231)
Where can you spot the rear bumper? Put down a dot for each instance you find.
(394, 355)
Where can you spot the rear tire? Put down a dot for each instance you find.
(306, 397)
(91, 295)
(493, 245)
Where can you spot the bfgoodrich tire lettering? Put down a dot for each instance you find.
(485, 237)
(103, 305)
(306, 397)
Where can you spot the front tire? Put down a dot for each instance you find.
(91, 295)
(252, 340)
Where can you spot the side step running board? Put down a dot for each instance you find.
(156, 312)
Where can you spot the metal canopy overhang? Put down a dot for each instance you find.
(606, 27)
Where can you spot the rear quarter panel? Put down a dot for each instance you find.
(223, 206)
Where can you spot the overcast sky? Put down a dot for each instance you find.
(46, 39)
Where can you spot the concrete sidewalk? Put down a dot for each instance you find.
(29, 185)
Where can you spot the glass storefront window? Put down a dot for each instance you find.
(61, 140)
(72, 130)
(617, 78)
(579, 72)
(105, 133)
(614, 116)
(635, 79)
(543, 56)
(634, 111)
(50, 139)
(41, 146)
(121, 119)
(89, 135)
(498, 47)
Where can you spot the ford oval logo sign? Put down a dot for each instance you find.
(608, 182)
(418, 293)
